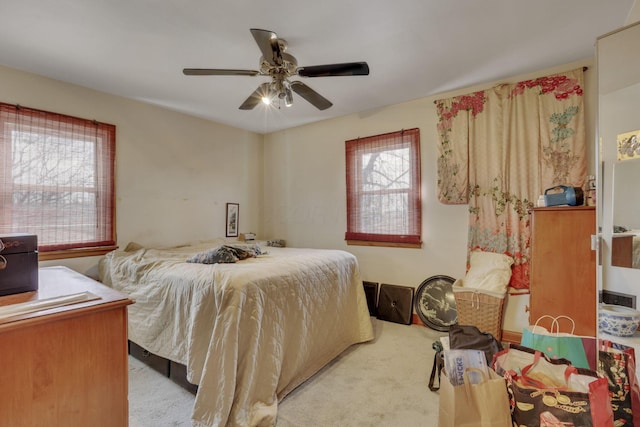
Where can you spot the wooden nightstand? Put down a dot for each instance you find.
(65, 366)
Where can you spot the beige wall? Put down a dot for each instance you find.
(174, 173)
(305, 202)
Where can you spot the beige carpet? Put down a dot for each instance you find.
(381, 383)
(155, 400)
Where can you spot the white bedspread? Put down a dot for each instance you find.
(248, 332)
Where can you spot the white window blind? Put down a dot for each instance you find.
(57, 177)
(383, 188)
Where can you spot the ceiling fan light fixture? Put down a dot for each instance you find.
(280, 66)
(268, 95)
(288, 97)
(283, 88)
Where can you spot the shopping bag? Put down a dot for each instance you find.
(581, 351)
(618, 364)
(552, 392)
(438, 365)
(462, 337)
(474, 405)
(470, 337)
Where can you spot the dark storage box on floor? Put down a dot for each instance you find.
(371, 293)
(18, 263)
(158, 363)
(178, 374)
(395, 303)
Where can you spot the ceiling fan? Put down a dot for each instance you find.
(280, 66)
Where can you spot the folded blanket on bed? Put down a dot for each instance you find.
(226, 254)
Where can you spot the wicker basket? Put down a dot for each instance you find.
(481, 308)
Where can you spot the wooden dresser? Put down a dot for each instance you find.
(622, 250)
(563, 266)
(65, 365)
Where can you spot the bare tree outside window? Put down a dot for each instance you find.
(57, 176)
(384, 193)
(39, 174)
(383, 188)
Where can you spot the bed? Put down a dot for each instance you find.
(248, 332)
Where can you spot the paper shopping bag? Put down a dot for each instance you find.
(474, 405)
(617, 363)
(552, 392)
(581, 351)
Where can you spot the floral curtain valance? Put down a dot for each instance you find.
(500, 148)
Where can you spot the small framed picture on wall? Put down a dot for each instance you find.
(233, 211)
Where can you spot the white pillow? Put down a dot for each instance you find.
(489, 271)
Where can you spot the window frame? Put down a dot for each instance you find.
(355, 149)
(54, 125)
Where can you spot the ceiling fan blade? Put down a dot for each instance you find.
(256, 97)
(268, 43)
(218, 72)
(319, 101)
(328, 70)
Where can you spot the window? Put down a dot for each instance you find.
(383, 189)
(57, 177)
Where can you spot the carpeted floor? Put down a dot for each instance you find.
(381, 383)
(155, 400)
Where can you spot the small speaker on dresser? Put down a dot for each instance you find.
(371, 292)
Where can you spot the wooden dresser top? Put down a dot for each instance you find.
(56, 282)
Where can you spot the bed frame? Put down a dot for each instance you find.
(175, 371)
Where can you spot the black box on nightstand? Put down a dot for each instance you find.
(18, 263)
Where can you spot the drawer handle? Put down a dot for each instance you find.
(146, 353)
(3, 261)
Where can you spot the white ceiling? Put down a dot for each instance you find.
(414, 48)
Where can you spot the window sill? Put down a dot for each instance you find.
(75, 253)
(384, 244)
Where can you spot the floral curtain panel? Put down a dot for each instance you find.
(500, 148)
